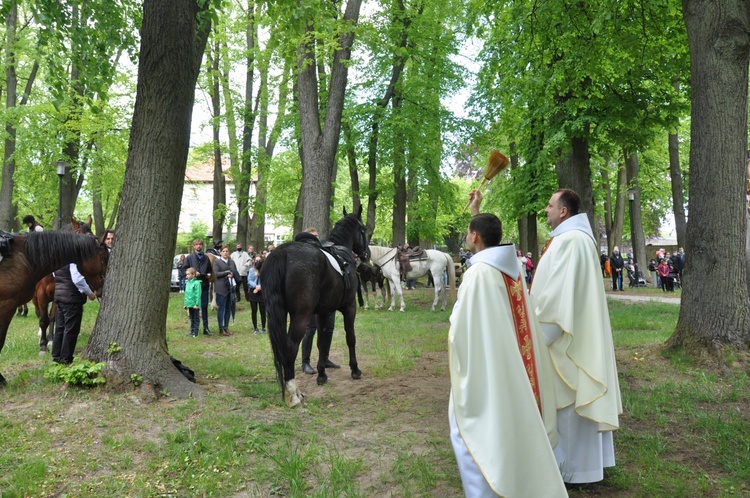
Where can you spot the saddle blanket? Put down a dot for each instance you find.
(333, 262)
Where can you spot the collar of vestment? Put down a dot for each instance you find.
(577, 222)
(502, 258)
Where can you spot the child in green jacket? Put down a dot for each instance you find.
(193, 301)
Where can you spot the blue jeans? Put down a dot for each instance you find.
(223, 314)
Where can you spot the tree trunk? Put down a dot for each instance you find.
(639, 243)
(219, 183)
(319, 145)
(351, 159)
(675, 173)
(715, 306)
(244, 182)
(398, 227)
(11, 82)
(574, 172)
(133, 313)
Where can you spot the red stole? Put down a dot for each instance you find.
(523, 332)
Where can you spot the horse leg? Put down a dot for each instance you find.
(400, 291)
(292, 395)
(351, 342)
(6, 315)
(325, 336)
(438, 289)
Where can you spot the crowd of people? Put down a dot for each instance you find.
(665, 270)
(231, 274)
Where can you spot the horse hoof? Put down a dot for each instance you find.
(292, 396)
(356, 374)
(322, 379)
(42, 352)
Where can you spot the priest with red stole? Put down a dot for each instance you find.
(502, 407)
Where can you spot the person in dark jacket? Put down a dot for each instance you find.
(617, 264)
(203, 269)
(71, 293)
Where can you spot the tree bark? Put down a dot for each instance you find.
(398, 226)
(219, 183)
(319, 145)
(11, 83)
(675, 173)
(639, 244)
(133, 313)
(715, 303)
(244, 235)
(574, 172)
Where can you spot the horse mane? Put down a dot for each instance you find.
(54, 249)
(345, 225)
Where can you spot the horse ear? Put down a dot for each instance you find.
(359, 212)
(90, 221)
(345, 213)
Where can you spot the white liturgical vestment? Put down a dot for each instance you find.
(572, 310)
(493, 408)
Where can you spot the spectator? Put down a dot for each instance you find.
(202, 264)
(182, 272)
(34, 226)
(529, 268)
(255, 295)
(225, 274)
(617, 264)
(242, 261)
(193, 301)
(663, 271)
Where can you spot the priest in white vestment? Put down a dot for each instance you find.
(572, 310)
(502, 410)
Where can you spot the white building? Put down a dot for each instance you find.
(198, 198)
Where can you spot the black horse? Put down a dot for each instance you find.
(298, 281)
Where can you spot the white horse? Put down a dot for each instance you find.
(435, 261)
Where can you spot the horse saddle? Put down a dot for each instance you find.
(6, 243)
(343, 257)
(406, 255)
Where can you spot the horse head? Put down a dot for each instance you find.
(94, 269)
(350, 232)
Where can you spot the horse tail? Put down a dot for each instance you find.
(274, 290)
(451, 276)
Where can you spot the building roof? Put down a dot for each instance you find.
(204, 172)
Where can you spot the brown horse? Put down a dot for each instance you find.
(44, 294)
(36, 254)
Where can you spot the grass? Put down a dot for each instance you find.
(685, 429)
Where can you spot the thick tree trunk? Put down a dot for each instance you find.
(715, 308)
(319, 145)
(574, 172)
(134, 307)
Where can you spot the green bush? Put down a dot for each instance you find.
(80, 373)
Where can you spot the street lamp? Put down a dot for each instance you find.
(62, 169)
(631, 199)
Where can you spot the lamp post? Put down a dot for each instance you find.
(631, 200)
(62, 169)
